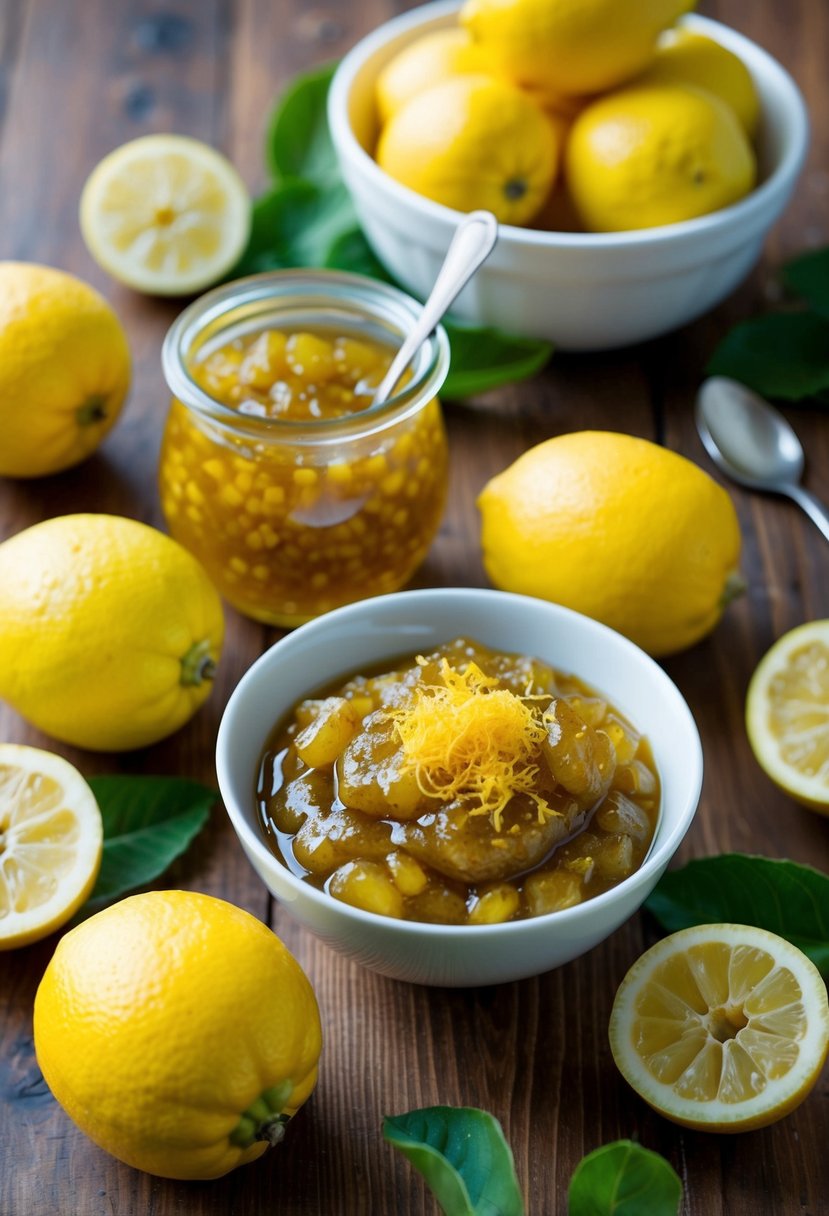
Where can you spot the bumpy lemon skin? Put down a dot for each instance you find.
(98, 615)
(64, 369)
(570, 47)
(428, 61)
(473, 142)
(656, 154)
(617, 528)
(160, 1020)
(685, 57)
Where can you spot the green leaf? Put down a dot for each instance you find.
(809, 277)
(295, 225)
(780, 355)
(462, 1154)
(148, 823)
(483, 359)
(624, 1179)
(352, 252)
(298, 142)
(786, 898)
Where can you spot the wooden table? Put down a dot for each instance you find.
(78, 77)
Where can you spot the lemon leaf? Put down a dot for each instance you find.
(462, 1154)
(294, 225)
(781, 896)
(780, 355)
(482, 359)
(808, 275)
(298, 142)
(352, 252)
(148, 823)
(624, 1179)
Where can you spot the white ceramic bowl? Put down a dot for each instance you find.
(362, 635)
(584, 291)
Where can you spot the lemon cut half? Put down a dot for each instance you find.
(787, 714)
(165, 214)
(51, 839)
(721, 1027)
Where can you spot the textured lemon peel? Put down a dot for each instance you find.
(467, 737)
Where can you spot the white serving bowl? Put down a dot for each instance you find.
(362, 635)
(584, 291)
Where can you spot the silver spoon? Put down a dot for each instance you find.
(470, 246)
(753, 444)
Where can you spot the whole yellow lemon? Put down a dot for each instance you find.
(110, 632)
(618, 528)
(570, 46)
(686, 57)
(427, 61)
(64, 369)
(178, 1032)
(472, 142)
(656, 154)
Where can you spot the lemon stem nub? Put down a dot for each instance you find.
(263, 1119)
(92, 411)
(735, 586)
(197, 665)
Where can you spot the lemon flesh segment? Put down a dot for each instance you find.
(787, 714)
(50, 843)
(721, 1027)
(165, 214)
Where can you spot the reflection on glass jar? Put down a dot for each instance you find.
(276, 471)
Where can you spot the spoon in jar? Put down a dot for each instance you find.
(470, 246)
(753, 444)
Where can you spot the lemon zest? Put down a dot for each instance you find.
(469, 738)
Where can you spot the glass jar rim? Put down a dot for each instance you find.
(366, 298)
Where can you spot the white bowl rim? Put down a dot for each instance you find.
(655, 860)
(737, 213)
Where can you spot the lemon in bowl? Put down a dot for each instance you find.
(582, 290)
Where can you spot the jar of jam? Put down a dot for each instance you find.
(277, 471)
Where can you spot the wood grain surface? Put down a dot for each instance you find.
(78, 77)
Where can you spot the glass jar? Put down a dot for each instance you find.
(292, 518)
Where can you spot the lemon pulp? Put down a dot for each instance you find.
(50, 843)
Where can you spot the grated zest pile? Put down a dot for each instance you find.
(467, 737)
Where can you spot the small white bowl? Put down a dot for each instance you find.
(584, 291)
(362, 635)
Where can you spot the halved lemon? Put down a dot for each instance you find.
(721, 1027)
(787, 714)
(165, 214)
(51, 839)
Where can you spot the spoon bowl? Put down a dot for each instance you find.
(753, 444)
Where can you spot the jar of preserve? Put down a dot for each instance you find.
(296, 492)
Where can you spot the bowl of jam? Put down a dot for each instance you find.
(459, 786)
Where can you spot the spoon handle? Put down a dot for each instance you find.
(813, 507)
(470, 246)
